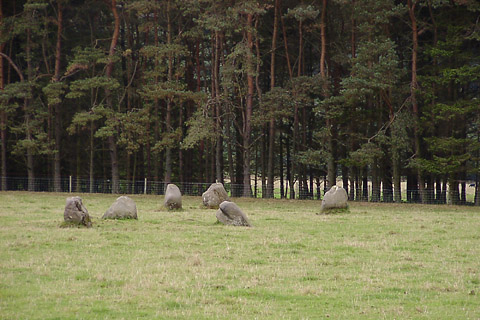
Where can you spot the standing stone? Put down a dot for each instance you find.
(335, 198)
(173, 197)
(230, 214)
(76, 213)
(215, 195)
(122, 208)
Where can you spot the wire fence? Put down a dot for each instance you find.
(316, 191)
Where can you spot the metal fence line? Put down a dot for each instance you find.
(145, 186)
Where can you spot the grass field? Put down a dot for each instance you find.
(376, 261)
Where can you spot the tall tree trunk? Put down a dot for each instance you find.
(280, 164)
(331, 168)
(168, 115)
(218, 111)
(109, 70)
(58, 121)
(453, 194)
(397, 182)
(92, 151)
(477, 191)
(375, 182)
(3, 116)
(294, 151)
(413, 95)
(156, 107)
(300, 48)
(352, 175)
(263, 153)
(345, 173)
(365, 184)
(181, 164)
(477, 180)
(3, 138)
(289, 173)
(353, 39)
(228, 122)
(26, 106)
(271, 123)
(247, 126)
(285, 43)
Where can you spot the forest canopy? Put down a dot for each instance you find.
(294, 92)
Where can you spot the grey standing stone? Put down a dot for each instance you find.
(123, 208)
(230, 214)
(76, 213)
(335, 198)
(173, 197)
(215, 195)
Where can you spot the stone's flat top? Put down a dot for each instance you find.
(172, 188)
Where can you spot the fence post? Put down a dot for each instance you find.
(145, 187)
(70, 184)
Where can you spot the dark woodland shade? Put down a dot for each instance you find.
(199, 91)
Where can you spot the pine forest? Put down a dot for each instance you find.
(277, 97)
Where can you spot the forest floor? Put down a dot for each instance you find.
(375, 261)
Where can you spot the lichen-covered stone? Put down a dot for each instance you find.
(75, 212)
(335, 198)
(123, 208)
(230, 214)
(173, 197)
(215, 195)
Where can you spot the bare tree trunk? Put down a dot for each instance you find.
(281, 166)
(271, 124)
(285, 43)
(168, 115)
(92, 150)
(351, 196)
(413, 95)
(156, 108)
(477, 192)
(26, 106)
(331, 167)
(290, 179)
(218, 122)
(259, 95)
(300, 48)
(247, 130)
(3, 117)
(58, 121)
(294, 151)
(109, 70)
(397, 183)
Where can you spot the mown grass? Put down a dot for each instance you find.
(376, 261)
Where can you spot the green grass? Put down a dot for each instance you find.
(375, 261)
